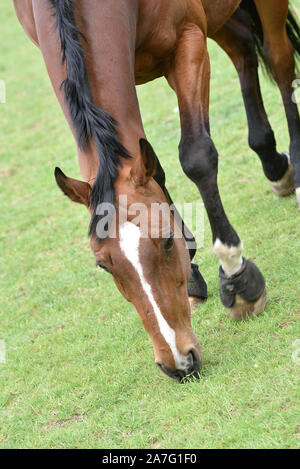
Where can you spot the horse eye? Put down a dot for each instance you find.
(102, 266)
(169, 243)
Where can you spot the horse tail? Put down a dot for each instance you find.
(90, 122)
(292, 29)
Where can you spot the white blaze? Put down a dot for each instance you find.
(130, 236)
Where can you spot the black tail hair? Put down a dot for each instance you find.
(292, 29)
(88, 120)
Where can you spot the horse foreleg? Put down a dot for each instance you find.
(236, 39)
(279, 54)
(242, 286)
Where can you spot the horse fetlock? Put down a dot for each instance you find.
(244, 293)
(284, 186)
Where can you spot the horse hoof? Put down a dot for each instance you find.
(244, 293)
(285, 185)
(243, 309)
(197, 287)
(194, 302)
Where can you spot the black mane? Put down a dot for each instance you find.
(88, 120)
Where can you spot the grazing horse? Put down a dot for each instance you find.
(96, 51)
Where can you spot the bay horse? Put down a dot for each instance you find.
(96, 52)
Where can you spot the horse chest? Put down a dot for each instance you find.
(148, 67)
(152, 58)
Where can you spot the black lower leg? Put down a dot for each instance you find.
(236, 39)
(293, 120)
(261, 136)
(199, 160)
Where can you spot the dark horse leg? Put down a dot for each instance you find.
(242, 286)
(279, 54)
(236, 39)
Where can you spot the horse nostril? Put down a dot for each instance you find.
(195, 365)
(191, 358)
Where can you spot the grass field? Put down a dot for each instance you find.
(79, 369)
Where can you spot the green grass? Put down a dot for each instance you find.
(80, 371)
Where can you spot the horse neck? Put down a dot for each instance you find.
(110, 71)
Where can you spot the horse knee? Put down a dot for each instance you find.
(198, 158)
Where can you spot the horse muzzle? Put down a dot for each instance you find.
(192, 370)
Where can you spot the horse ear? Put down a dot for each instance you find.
(145, 167)
(77, 191)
